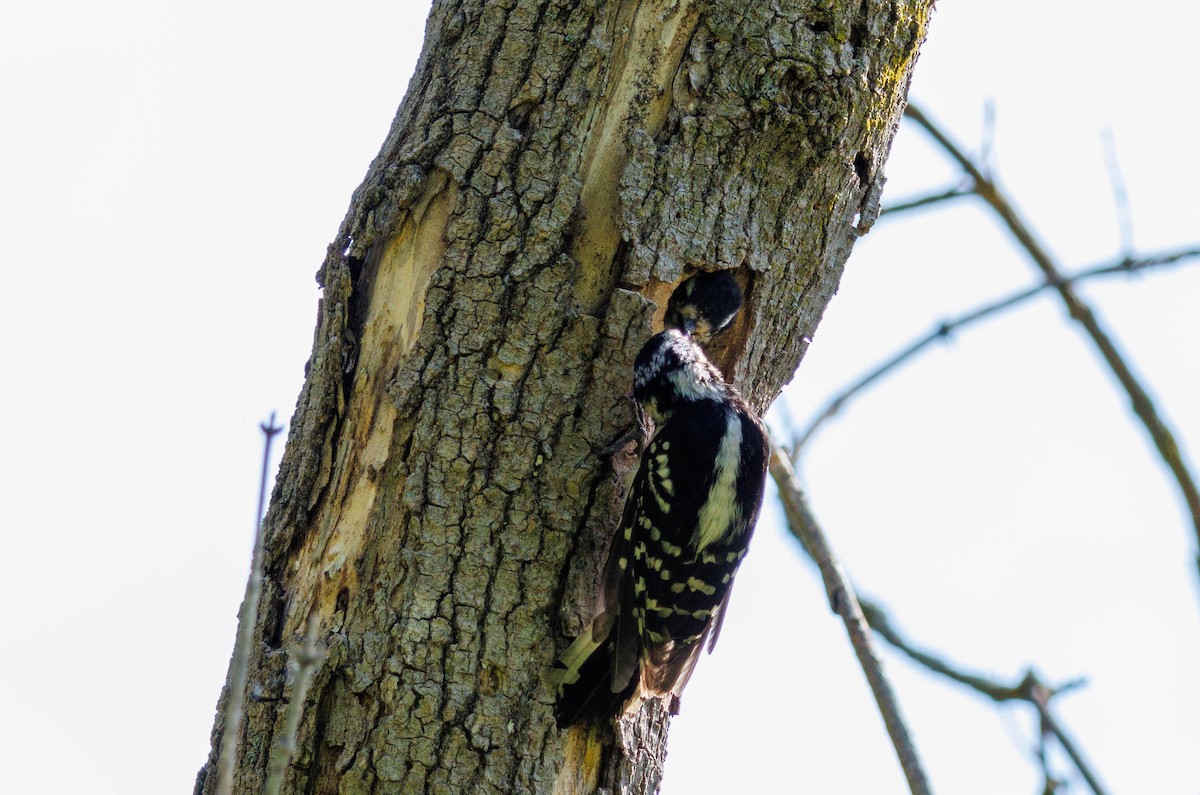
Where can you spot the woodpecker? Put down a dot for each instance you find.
(684, 531)
(704, 304)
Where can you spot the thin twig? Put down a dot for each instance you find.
(994, 689)
(1120, 193)
(844, 602)
(1030, 689)
(988, 142)
(957, 192)
(240, 671)
(944, 329)
(962, 189)
(305, 660)
(1042, 753)
(1143, 406)
(1040, 697)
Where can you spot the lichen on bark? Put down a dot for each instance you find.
(443, 504)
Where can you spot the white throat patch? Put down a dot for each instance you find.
(693, 383)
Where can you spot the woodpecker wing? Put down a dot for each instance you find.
(596, 673)
(663, 505)
(692, 512)
(751, 481)
(686, 525)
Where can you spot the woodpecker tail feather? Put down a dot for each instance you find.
(590, 697)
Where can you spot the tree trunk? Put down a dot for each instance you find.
(443, 505)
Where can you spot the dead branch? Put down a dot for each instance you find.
(947, 327)
(305, 659)
(1079, 311)
(957, 192)
(844, 602)
(240, 673)
(1030, 689)
(1120, 193)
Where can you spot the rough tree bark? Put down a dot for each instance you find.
(442, 505)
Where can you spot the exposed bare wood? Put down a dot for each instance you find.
(442, 505)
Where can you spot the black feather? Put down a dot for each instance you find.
(684, 531)
(591, 698)
(704, 303)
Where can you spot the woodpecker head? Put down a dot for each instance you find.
(704, 304)
(671, 370)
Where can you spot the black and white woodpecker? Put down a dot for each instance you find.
(704, 304)
(686, 526)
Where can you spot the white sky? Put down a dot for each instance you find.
(170, 175)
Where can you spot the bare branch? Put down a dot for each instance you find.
(240, 673)
(1120, 195)
(1040, 696)
(956, 192)
(994, 689)
(1143, 406)
(305, 660)
(988, 143)
(1029, 689)
(944, 329)
(1042, 752)
(844, 602)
